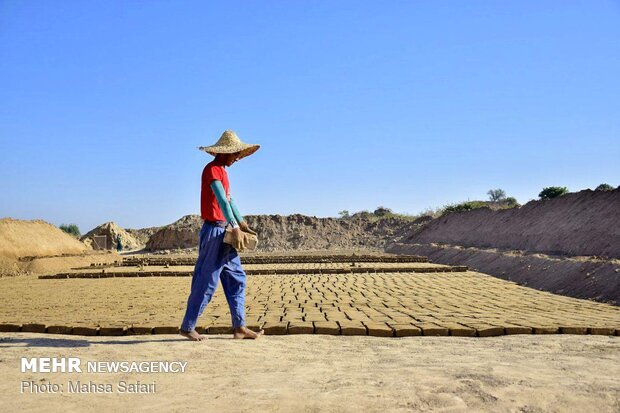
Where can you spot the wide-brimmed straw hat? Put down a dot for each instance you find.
(229, 142)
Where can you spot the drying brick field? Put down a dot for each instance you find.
(335, 295)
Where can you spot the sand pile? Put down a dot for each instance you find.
(110, 230)
(22, 242)
(293, 232)
(35, 238)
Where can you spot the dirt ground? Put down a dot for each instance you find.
(522, 373)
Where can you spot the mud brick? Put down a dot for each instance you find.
(406, 330)
(352, 328)
(166, 330)
(574, 330)
(219, 328)
(112, 331)
(326, 327)
(10, 328)
(518, 330)
(429, 329)
(461, 331)
(602, 331)
(395, 320)
(59, 329)
(269, 318)
(33, 328)
(546, 329)
(337, 318)
(300, 327)
(275, 328)
(379, 329)
(256, 327)
(139, 330)
(316, 318)
(489, 331)
(85, 331)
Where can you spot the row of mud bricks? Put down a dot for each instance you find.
(283, 259)
(301, 271)
(319, 327)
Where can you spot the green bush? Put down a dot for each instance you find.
(464, 206)
(552, 192)
(511, 201)
(71, 229)
(344, 214)
(604, 187)
(362, 215)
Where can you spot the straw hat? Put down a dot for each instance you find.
(229, 142)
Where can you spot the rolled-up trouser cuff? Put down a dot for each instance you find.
(238, 322)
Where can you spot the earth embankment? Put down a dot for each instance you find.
(582, 223)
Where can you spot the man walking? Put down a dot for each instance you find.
(217, 260)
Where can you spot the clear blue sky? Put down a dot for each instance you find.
(406, 104)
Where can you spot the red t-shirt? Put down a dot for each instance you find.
(209, 208)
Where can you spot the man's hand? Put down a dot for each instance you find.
(245, 228)
(238, 239)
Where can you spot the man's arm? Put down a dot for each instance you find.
(236, 212)
(220, 195)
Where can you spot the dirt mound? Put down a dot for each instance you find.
(35, 238)
(183, 233)
(110, 230)
(293, 232)
(143, 234)
(581, 223)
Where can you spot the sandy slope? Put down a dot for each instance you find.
(321, 373)
(35, 238)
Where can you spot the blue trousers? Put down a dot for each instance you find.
(216, 261)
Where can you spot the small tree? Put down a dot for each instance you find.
(344, 214)
(71, 229)
(604, 187)
(552, 192)
(382, 211)
(496, 195)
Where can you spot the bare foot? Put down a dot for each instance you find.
(244, 332)
(192, 335)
